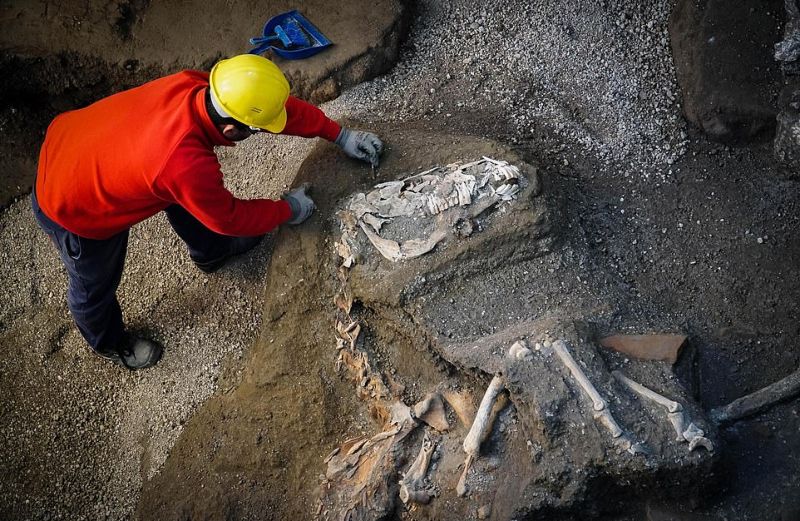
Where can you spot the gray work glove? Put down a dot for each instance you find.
(358, 144)
(301, 204)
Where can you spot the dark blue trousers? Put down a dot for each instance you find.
(94, 269)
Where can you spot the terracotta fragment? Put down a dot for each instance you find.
(664, 347)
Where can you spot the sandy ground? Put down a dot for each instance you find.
(698, 236)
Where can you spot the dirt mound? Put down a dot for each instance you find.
(254, 449)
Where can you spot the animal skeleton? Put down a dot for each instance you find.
(479, 184)
(602, 415)
(689, 433)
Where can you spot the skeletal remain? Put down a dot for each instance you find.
(602, 413)
(388, 248)
(375, 222)
(519, 351)
(560, 348)
(431, 411)
(462, 405)
(413, 248)
(651, 395)
(412, 486)
(430, 193)
(361, 476)
(685, 430)
(472, 442)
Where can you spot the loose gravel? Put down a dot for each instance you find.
(599, 77)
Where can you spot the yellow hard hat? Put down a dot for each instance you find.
(250, 89)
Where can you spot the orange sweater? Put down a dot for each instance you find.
(118, 161)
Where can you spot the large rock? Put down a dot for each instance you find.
(723, 59)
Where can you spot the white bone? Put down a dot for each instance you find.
(461, 487)
(431, 411)
(472, 443)
(519, 351)
(375, 222)
(388, 248)
(608, 421)
(690, 433)
(563, 353)
(603, 414)
(651, 395)
(473, 440)
(416, 247)
(412, 486)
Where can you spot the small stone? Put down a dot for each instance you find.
(485, 511)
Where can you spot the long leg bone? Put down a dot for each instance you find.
(563, 353)
(472, 443)
(602, 414)
(690, 433)
(651, 395)
(412, 486)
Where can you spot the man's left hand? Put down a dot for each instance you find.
(358, 144)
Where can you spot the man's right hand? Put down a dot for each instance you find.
(301, 204)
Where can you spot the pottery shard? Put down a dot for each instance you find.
(647, 347)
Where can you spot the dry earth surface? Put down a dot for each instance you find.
(657, 229)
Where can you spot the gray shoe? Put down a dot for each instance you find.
(137, 353)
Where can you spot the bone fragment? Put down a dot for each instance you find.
(388, 248)
(412, 486)
(675, 414)
(416, 247)
(375, 222)
(608, 421)
(519, 351)
(472, 443)
(462, 405)
(461, 487)
(563, 353)
(431, 411)
(651, 395)
(481, 205)
(473, 440)
(758, 401)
